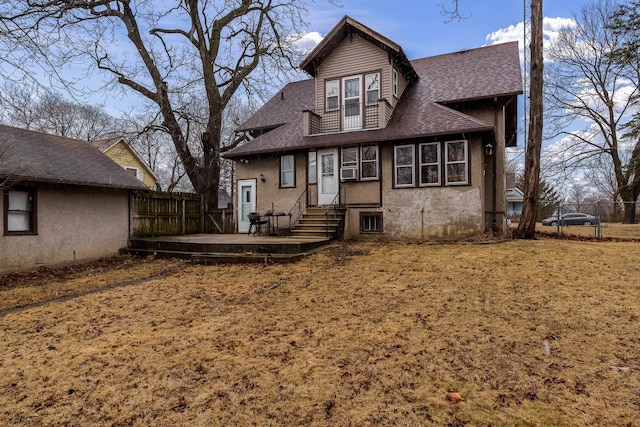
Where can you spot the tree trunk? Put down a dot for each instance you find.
(526, 227)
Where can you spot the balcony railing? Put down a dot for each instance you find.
(354, 116)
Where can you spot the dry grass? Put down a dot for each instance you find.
(529, 333)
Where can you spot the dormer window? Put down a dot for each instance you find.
(333, 95)
(372, 84)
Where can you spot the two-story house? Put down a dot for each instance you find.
(407, 149)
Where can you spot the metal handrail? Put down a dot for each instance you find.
(298, 209)
(331, 207)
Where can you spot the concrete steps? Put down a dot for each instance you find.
(320, 222)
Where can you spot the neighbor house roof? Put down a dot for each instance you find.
(34, 156)
(482, 73)
(105, 144)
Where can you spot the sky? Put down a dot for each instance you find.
(419, 27)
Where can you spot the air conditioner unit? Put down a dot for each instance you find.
(349, 174)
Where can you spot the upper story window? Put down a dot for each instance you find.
(287, 171)
(19, 211)
(332, 91)
(372, 85)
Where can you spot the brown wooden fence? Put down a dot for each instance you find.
(164, 214)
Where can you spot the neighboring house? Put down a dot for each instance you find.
(62, 200)
(119, 150)
(515, 196)
(411, 150)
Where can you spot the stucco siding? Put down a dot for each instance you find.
(92, 222)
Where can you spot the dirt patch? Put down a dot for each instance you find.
(517, 333)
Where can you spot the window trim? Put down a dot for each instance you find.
(33, 217)
(438, 163)
(412, 165)
(464, 162)
(367, 90)
(293, 171)
(326, 95)
(376, 214)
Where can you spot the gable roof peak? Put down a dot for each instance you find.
(349, 26)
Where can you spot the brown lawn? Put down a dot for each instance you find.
(528, 333)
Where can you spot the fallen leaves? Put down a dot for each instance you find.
(454, 397)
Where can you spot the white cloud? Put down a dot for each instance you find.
(305, 42)
(550, 30)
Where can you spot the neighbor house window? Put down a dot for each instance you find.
(371, 222)
(456, 155)
(287, 175)
(404, 165)
(369, 161)
(313, 168)
(372, 84)
(135, 172)
(394, 84)
(20, 211)
(430, 164)
(332, 93)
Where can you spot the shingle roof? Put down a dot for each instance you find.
(34, 156)
(485, 72)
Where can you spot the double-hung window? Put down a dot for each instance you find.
(457, 159)
(372, 85)
(332, 94)
(430, 164)
(20, 211)
(368, 162)
(287, 171)
(404, 165)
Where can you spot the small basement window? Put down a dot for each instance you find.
(370, 222)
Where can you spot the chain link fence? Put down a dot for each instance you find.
(600, 220)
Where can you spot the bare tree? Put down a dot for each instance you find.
(584, 83)
(527, 224)
(169, 53)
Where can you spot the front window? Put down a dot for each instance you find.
(369, 162)
(287, 175)
(20, 211)
(332, 95)
(457, 159)
(430, 164)
(372, 84)
(404, 164)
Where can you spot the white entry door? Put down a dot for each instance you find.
(352, 108)
(246, 203)
(327, 176)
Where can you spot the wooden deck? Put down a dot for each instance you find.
(227, 248)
